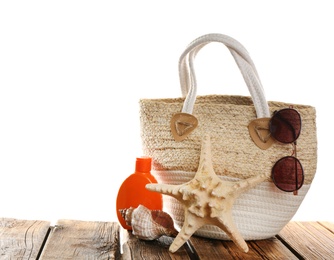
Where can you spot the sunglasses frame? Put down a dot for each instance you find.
(296, 134)
(298, 166)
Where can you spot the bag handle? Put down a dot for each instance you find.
(243, 60)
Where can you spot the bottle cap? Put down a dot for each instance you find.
(143, 164)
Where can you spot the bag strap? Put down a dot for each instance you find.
(243, 60)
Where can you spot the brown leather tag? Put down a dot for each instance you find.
(182, 124)
(260, 133)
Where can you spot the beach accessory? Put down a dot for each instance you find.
(147, 224)
(133, 193)
(172, 130)
(285, 127)
(208, 200)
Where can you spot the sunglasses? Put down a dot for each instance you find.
(287, 173)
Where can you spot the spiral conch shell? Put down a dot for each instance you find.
(149, 224)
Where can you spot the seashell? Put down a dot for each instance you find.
(149, 224)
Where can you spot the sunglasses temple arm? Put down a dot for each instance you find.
(295, 192)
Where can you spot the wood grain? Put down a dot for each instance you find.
(218, 249)
(328, 225)
(21, 239)
(135, 248)
(73, 239)
(311, 240)
(261, 249)
(272, 248)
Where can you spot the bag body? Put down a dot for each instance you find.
(260, 212)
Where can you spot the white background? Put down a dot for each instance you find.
(72, 72)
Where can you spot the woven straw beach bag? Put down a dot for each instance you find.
(260, 212)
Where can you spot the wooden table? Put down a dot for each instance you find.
(73, 239)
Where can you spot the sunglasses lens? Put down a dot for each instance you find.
(285, 125)
(288, 174)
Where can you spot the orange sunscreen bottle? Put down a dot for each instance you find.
(132, 192)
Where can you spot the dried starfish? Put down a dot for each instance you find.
(208, 200)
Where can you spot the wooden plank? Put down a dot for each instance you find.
(22, 239)
(310, 240)
(74, 239)
(328, 225)
(272, 249)
(261, 249)
(218, 249)
(134, 248)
